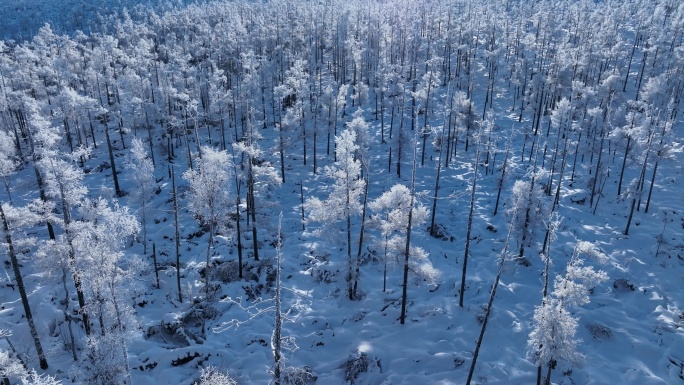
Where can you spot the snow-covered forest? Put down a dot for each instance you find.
(346, 192)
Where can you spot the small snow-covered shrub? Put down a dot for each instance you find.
(212, 376)
(227, 272)
(599, 332)
(300, 376)
(441, 232)
(622, 285)
(357, 363)
(324, 273)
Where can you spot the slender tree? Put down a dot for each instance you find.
(553, 337)
(469, 227)
(343, 201)
(14, 260)
(144, 183)
(208, 198)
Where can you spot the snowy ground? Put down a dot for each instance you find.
(631, 335)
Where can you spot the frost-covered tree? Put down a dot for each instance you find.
(108, 274)
(102, 363)
(527, 208)
(209, 195)
(363, 139)
(99, 242)
(13, 219)
(553, 337)
(8, 162)
(258, 174)
(12, 368)
(294, 96)
(144, 185)
(10, 365)
(64, 183)
(390, 216)
(343, 202)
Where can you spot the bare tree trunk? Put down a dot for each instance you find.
(281, 145)
(562, 170)
(439, 169)
(492, 295)
(503, 176)
(363, 225)
(301, 195)
(470, 224)
(239, 233)
(650, 189)
(276, 338)
(350, 268)
(22, 291)
(67, 315)
(252, 206)
(407, 248)
(115, 177)
(425, 120)
(624, 163)
(637, 193)
(208, 262)
(40, 182)
(598, 171)
(156, 266)
(177, 235)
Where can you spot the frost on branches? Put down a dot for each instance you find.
(553, 338)
(11, 368)
(212, 376)
(391, 215)
(344, 200)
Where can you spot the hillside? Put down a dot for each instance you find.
(22, 19)
(541, 141)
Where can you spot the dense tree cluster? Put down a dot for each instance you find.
(237, 97)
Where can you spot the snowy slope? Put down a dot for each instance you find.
(632, 334)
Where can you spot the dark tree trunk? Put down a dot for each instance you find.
(469, 226)
(501, 180)
(22, 291)
(156, 267)
(177, 235)
(363, 225)
(252, 206)
(624, 163)
(650, 189)
(239, 233)
(434, 198)
(278, 321)
(407, 252)
(117, 190)
(492, 295)
(40, 182)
